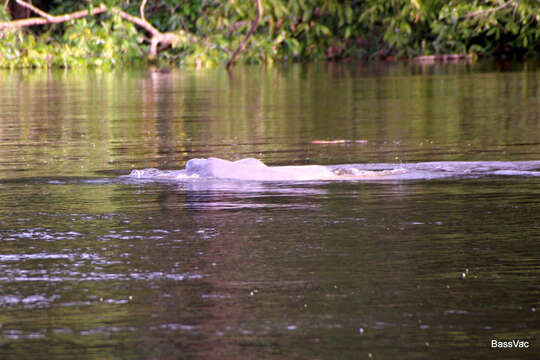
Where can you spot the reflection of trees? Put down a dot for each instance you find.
(73, 123)
(70, 123)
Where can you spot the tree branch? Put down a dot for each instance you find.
(158, 40)
(137, 21)
(242, 45)
(484, 12)
(141, 9)
(34, 9)
(47, 18)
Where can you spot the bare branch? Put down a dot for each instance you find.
(248, 35)
(47, 18)
(137, 21)
(480, 13)
(157, 41)
(141, 9)
(34, 9)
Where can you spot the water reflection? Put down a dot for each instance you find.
(385, 258)
(73, 123)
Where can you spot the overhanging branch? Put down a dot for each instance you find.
(137, 21)
(158, 39)
(47, 18)
(242, 45)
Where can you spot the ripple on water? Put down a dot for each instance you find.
(32, 300)
(39, 234)
(19, 275)
(254, 170)
(39, 256)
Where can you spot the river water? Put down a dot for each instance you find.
(436, 256)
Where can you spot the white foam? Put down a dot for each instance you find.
(255, 170)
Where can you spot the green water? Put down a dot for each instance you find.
(93, 266)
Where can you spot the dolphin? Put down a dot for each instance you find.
(254, 169)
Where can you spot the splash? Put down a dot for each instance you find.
(255, 170)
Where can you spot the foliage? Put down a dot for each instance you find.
(289, 30)
(489, 27)
(85, 42)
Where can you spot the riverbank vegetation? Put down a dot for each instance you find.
(201, 33)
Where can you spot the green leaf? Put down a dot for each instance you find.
(349, 13)
(348, 32)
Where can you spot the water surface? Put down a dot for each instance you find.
(95, 264)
